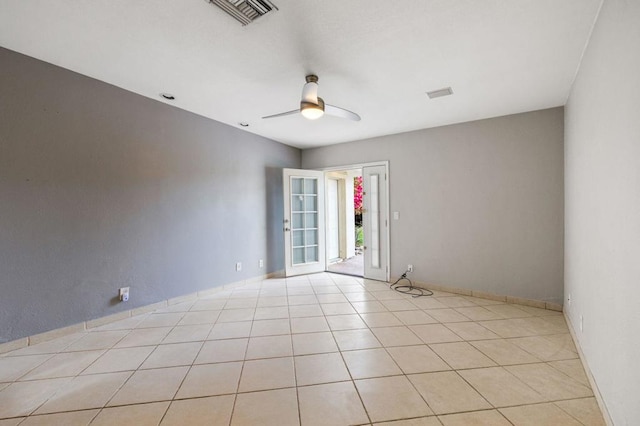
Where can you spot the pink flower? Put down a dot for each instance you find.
(357, 194)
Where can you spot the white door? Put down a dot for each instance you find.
(303, 221)
(333, 220)
(375, 222)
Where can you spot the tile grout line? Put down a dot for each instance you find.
(325, 317)
(452, 369)
(293, 360)
(396, 364)
(244, 358)
(106, 405)
(352, 381)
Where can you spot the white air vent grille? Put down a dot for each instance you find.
(440, 92)
(245, 11)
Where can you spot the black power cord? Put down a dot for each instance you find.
(409, 289)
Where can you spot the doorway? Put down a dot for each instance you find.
(344, 222)
(312, 242)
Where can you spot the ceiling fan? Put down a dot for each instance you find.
(313, 107)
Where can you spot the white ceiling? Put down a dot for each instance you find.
(377, 58)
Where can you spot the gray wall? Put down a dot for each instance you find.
(101, 188)
(602, 163)
(481, 203)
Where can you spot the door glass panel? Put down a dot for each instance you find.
(310, 186)
(312, 254)
(297, 220)
(297, 203)
(374, 211)
(297, 185)
(298, 238)
(298, 255)
(311, 237)
(311, 220)
(310, 203)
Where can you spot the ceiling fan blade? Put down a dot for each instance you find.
(282, 114)
(340, 112)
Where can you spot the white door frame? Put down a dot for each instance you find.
(385, 208)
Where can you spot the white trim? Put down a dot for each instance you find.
(587, 370)
(388, 220)
(107, 319)
(354, 166)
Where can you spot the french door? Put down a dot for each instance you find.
(304, 222)
(375, 222)
(304, 234)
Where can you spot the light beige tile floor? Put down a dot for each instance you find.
(322, 349)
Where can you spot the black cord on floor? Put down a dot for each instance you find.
(409, 289)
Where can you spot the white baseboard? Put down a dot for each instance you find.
(97, 322)
(485, 295)
(587, 370)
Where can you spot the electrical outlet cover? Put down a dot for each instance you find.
(124, 294)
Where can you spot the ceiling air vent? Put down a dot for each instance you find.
(245, 11)
(440, 93)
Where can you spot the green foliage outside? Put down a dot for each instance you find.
(359, 236)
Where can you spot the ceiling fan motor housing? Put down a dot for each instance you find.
(311, 106)
(310, 90)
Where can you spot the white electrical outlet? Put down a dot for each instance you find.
(124, 294)
(239, 266)
(410, 267)
(261, 263)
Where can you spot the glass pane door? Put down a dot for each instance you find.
(374, 180)
(304, 212)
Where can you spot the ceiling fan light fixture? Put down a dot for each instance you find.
(312, 111)
(313, 107)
